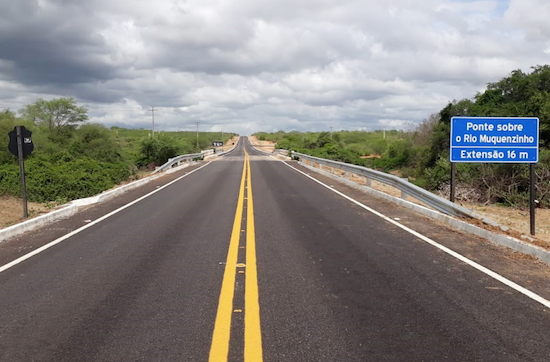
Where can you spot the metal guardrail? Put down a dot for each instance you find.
(282, 152)
(405, 186)
(176, 161)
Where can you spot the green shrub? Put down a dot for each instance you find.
(61, 176)
(439, 174)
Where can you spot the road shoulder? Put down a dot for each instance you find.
(17, 246)
(520, 268)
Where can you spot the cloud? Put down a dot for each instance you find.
(246, 66)
(531, 17)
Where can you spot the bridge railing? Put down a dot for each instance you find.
(176, 161)
(407, 188)
(281, 152)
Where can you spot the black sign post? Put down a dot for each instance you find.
(532, 196)
(21, 146)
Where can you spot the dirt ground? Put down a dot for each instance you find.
(228, 145)
(266, 146)
(11, 210)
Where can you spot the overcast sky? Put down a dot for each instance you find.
(264, 65)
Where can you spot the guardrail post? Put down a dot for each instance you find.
(403, 194)
(369, 182)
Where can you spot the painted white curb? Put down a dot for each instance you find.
(37, 222)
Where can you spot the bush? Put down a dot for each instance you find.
(438, 175)
(62, 177)
(95, 141)
(158, 150)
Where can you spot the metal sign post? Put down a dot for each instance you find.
(453, 182)
(497, 140)
(532, 197)
(21, 146)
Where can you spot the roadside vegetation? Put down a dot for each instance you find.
(422, 154)
(74, 159)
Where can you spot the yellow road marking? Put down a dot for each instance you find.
(222, 327)
(252, 330)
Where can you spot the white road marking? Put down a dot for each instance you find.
(454, 254)
(74, 232)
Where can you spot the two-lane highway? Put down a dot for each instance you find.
(247, 259)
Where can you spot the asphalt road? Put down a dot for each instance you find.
(248, 259)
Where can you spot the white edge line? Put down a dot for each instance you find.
(74, 232)
(454, 254)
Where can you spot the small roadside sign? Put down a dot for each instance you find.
(21, 146)
(217, 144)
(26, 141)
(495, 139)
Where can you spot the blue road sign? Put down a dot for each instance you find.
(495, 139)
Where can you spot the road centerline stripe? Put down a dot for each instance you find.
(221, 336)
(252, 328)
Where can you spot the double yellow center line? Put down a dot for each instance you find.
(219, 349)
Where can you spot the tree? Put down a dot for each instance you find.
(423, 132)
(58, 114)
(323, 139)
(95, 141)
(7, 122)
(159, 150)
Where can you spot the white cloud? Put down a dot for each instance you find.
(531, 17)
(246, 66)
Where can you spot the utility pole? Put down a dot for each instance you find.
(152, 110)
(197, 123)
